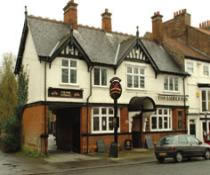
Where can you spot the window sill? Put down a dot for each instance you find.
(69, 85)
(171, 92)
(135, 89)
(98, 86)
(160, 130)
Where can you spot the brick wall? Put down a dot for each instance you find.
(177, 27)
(33, 126)
(107, 138)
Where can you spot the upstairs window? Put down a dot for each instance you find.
(190, 67)
(171, 84)
(69, 71)
(206, 70)
(135, 77)
(100, 77)
(205, 98)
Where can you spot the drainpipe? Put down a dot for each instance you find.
(45, 107)
(87, 106)
(185, 113)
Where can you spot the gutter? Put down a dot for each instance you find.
(87, 106)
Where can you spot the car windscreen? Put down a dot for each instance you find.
(167, 140)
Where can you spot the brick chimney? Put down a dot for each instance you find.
(70, 14)
(183, 17)
(205, 25)
(157, 27)
(106, 21)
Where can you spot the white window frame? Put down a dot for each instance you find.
(69, 70)
(175, 83)
(205, 69)
(100, 77)
(140, 76)
(207, 101)
(100, 115)
(190, 67)
(168, 116)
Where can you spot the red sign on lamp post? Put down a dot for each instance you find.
(115, 93)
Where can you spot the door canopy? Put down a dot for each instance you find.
(143, 104)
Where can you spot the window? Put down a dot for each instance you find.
(182, 140)
(100, 76)
(206, 70)
(180, 119)
(190, 67)
(161, 120)
(205, 98)
(69, 71)
(135, 77)
(102, 119)
(171, 83)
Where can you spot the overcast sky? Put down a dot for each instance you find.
(126, 15)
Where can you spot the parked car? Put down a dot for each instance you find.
(181, 146)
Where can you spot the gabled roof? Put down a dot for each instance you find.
(99, 47)
(46, 34)
(163, 60)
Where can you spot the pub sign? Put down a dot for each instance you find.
(115, 88)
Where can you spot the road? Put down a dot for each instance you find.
(193, 167)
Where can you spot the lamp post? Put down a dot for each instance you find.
(115, 90)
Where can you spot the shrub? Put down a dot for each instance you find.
(10, 141)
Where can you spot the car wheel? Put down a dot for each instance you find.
(179, 157)
(207, 155)
(160, 159)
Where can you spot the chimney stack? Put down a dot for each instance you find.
(70, 14)
(205, 25)
(106, 21)
(157, 27)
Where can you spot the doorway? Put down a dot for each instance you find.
(192, 127)
(68, 129)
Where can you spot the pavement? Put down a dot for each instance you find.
(59, 162)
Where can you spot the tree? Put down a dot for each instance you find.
(11, 120)
(8, 89)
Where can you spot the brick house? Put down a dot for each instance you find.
(190, 47)
(69, 67)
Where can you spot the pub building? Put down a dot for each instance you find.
(69, 68)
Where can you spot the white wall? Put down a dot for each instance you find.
(35, 71)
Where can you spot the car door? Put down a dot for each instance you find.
(183, 145)
(195, 148)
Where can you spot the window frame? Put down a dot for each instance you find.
(69, 68)
(206, 101)
(206, 66)
(100, 116)
(190, 67)
(175, 84)
(100, 77)
(163, 116)
(141, 77)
